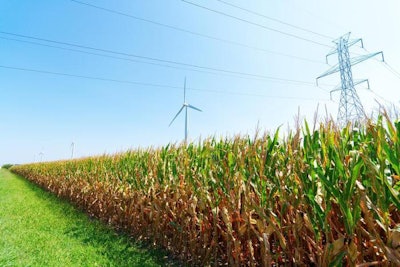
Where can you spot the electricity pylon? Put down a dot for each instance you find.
(350, 107)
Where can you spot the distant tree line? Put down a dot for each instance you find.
(7, 166)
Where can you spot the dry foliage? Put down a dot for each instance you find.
(325, 197)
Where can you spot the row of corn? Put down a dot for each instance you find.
(322, 196)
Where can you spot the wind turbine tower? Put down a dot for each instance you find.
(72, 150)
(185, 106)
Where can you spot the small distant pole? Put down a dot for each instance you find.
(41, 156)
(72, 150)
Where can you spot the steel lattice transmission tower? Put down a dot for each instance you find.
(350, 107)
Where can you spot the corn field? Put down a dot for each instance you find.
(318, 197)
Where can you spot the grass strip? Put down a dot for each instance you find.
(37, 229)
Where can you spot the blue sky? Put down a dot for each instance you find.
(46, 112)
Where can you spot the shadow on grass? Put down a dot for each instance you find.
(117, 247)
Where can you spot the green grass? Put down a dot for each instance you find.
(37, 229)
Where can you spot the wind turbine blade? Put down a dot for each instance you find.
(177, 114)
(193, 107)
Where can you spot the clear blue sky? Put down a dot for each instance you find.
(45, 113)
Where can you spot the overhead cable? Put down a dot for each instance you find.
(197, 33)
(220, 70)
(391, 69)
(275, 20)
(255, 24)
(150, 84)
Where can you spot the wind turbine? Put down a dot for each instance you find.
(72, 150)
(41, 154)
(184, 106)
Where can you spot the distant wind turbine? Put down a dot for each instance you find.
(41, 154)
(72, 150)
(184, 106)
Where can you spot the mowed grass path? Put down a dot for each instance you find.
(38, 229)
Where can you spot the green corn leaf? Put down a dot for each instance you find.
(338, 260)
(355, 173)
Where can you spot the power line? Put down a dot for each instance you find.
(388, 67)
(118, 58)
(128, 54)
(391, 69)
(383, 98)
(318, 17)
(257, 95)
(271, 79)
(86, 52)
(85, 77)
(274, 19)
(255, 24)
(150, 84)
(196, 33)
(221, 71)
